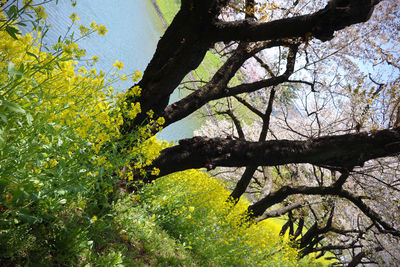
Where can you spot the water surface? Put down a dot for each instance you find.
(134, 29)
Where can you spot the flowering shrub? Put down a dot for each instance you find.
(62, 154)
(60, 145)
(192, 207)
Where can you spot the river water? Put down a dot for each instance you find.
(134, 29)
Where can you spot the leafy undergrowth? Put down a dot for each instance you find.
(62, 158)
(61, 153)
(137, 240)
(191, 206)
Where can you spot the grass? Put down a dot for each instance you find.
(169, 8)
(143, 242)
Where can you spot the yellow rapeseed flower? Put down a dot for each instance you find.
(53, 163)
(136, 76)
(118, 65)
(40, 12)
(101, 30)
(84, 30)
(124, 77)
(74, 17)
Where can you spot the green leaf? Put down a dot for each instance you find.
(11, 68)
(14, 107)
(21, 24)
(61, 192)
(12, 11)
(29, 218)
(29, 118)
(3, 118)
(13, 71)
(21, 68)
(33, 55)
(12, 31)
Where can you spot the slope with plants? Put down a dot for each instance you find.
(63, 160)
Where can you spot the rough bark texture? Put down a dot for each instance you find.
(258, 208)
(357, 259)
(180, 50)
(335, 16)
(337, 152)
(196, 28)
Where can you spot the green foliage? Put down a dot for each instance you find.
(57, 164)
(169, 8)
(192, 207)
(147, 243)
(61, 159)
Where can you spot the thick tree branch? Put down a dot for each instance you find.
(179, 51)
(217, 87)
(257, 209)
(341, 151)
(322, 24)
(281, 211)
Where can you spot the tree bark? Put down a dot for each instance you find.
(196, 28)
(322, 24)
(357, 259)
(335, 152)
(179, 51)
(245, 180)
(257, 209)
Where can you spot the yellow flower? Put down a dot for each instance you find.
(94, 219)
(160, 121)
(84, 30)
(136, 76)
(118, 65)
(40, 12)
(150, 113)
(53, 163)
(191, 208)
(155, 171)
(83, 70)
(74, 17)
(101, 30)
(93, 24)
